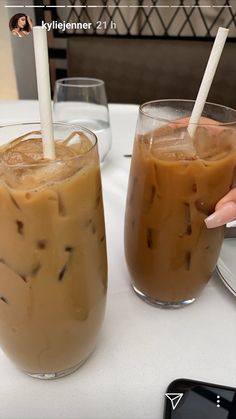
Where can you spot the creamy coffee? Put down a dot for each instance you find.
(173, 187)
(53, 268)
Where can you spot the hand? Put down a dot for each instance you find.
(225, 211)
(29, 20)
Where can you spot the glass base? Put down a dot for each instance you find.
(55, 375)
(162, 304)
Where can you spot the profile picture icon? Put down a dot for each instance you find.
(20, 25)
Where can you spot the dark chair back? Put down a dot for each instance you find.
(137, 70)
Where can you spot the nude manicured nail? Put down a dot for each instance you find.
(225, 214)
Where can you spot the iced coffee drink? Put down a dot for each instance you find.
(175, 183)
(53, 267)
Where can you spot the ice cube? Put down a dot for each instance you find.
(173, 144)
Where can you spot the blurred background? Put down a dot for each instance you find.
(142, 49)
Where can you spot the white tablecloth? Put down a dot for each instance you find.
(141, 348)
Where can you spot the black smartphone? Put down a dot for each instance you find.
(189, 399)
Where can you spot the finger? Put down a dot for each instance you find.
(230, 196)
(225, 214)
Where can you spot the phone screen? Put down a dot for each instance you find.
(197, 400)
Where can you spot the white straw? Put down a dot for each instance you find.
(207, 79)
(44, 93)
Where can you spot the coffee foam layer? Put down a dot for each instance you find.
(23, 166)
(175, 144)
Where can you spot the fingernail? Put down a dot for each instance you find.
(225, 214)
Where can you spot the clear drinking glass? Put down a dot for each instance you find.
(174, 184)
(84, 101)
(53, 266)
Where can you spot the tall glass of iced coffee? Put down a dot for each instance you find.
(175, 182)
(53, 266)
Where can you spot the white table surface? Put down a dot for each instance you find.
(140, 348)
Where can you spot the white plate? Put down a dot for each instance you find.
(226, 266)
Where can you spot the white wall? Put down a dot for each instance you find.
(8, 87)
(23, 55)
